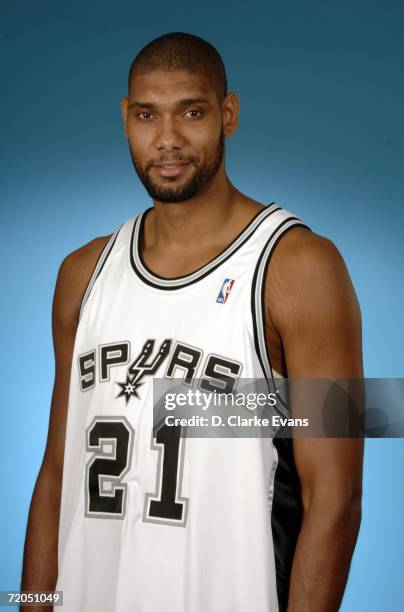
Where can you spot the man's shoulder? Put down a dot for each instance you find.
(77, 267)
(308, 280)
(302, 253)
(80, 261)
(74, 275)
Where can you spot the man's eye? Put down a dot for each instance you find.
(193, 114)
(144, 115)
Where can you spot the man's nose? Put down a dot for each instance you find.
(169, 136)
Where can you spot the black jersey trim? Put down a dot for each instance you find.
(258, 297)
(99, 265)
(286, 507)
(179, 282)
(286, 516)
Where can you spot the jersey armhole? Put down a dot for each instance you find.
(258, 303)
(102, 258)
(286, 504)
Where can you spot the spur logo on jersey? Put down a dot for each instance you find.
(225, 290)
(216, 372)
(141, 367)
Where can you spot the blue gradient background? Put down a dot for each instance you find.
(321, 131)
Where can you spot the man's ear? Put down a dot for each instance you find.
(230, 110)
(124, 111)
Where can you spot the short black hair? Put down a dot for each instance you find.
(182, 51)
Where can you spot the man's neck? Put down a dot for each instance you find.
(213, 217)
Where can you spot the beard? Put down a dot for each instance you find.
(196, 183)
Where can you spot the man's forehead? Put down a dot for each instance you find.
(162, 84)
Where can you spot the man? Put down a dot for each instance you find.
(207, 284)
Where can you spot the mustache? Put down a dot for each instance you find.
(170, 158)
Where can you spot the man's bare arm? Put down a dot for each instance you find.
(312, 304)
(40, 568)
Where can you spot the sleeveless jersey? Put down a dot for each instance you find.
(195, 524)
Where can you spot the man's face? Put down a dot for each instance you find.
(174, 127)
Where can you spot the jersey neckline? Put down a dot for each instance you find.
(178, 282)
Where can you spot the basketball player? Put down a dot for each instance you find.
(207, 283)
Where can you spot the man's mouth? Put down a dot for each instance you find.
(170, 169)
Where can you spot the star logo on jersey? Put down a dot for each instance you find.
(129, 388)
(225, 290)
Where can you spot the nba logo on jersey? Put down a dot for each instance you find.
(225, 290)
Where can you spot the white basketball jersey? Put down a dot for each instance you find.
(148, 525)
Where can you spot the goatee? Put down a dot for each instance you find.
(179, 193)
